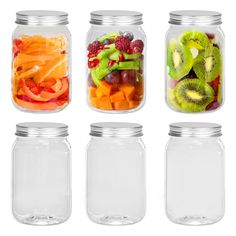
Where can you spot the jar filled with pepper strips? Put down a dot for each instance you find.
(116, 48)
(41, 61)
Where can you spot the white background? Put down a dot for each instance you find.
(155, 116)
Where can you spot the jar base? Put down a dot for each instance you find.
(115, 220)
(195, 220)
(40, 220)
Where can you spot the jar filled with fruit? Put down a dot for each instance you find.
(194, 61)
(41, 61)
(116, 55)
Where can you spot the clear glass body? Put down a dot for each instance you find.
(116, 78)
(194, 68)
(41, 68)
(195, 180)
(116, 180)
(41, 180)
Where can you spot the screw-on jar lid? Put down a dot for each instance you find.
(195, 129)
(116, 17)
(195, 17)
(38, 17)
(41, 129)
(116, 129)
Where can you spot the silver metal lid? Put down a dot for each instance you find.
(41, 129)
(38, 17)
(116, 17)
(116, 129)
(195, 129)
(195, 17)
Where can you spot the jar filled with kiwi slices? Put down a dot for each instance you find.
(195, 61)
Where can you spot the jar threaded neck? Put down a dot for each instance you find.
(41, 18)
(41, 129)
(116, 17)
(195, 129)
(116, 129)
(195, 17)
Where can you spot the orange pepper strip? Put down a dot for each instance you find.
(29, 65)
(21, 58)
(29, 73)
(57, 86)
(50, 68)
(63, 89)
(40, 50)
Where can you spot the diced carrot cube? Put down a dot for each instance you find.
(94, 102)
(139, 89)
(99, 92)
(138, 97)
(104, 89)
(133, 104)
(121, 105)
(118, 96)
(128, 91)
(92, 91)
(105, 103)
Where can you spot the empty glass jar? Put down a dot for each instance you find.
(116, 174)
(41, 61)
(41, 174)
(116, 48)
(195, 174)
(194, 61)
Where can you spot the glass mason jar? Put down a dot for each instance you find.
(116, 48)
(116, 174)
(41, 174)
(41, 61)
(195, 174)
(194, 61)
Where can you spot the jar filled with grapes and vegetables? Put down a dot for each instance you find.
(115, 61)
(195, 61)
(41, 61)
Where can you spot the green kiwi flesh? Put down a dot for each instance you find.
(208, 64)
(195, 39)
(220, 94)
(193, 95)
(172, 100)
(179, 60)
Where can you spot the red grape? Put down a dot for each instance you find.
(128, 76)
(113, 77)
(90, 81)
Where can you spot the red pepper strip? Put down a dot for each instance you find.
(30, 94)
(38, 105)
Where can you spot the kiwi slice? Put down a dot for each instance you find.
(179, 60)
(195, 39)
(220, 94)
(193, 95)
(171, 99)
(208, 64)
